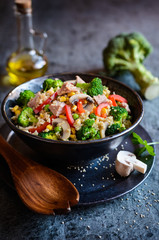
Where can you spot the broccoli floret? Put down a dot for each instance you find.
(118, 113)
(86, 133)
(97, 136)
(25, 97)
(54, 83)
(113, 129)
(47, 84)
(95, 88)
(89, 122)
(48, 135)
(83, 86)
(127, 52)
(27, 117)
(57, 83)
(92, 116)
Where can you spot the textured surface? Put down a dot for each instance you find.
(78, 31)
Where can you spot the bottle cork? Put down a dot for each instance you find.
(23, 6)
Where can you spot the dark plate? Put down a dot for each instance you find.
(97, 180)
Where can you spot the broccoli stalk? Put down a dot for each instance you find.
(127, 52)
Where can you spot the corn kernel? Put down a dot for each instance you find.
(85, 101)
(63, 99)
(71, 94)
(94, 109)
(103, 111)
(17, 112)
(62, 116)
(41, 115)
(15, 108)
(73, 136)
(74, 108)
(50, 127)
(73, 130)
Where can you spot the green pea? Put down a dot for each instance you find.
(75, 116)
(57, 129)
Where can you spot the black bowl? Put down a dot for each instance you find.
(70, 151)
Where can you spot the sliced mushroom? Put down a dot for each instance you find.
(80, 96)
(126, 162)
(66, 130)
(89, 107)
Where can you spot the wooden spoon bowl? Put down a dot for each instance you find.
(41, 189)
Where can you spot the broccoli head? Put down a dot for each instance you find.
(89, 122)
(83, 86)
(48, 135)
(113, 129)
(127, 52)
(118, 113)
(27, 117)
(86, 133)
(25, 97)
(54, 83)
(95, 88)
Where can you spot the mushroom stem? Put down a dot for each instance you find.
(126, 162)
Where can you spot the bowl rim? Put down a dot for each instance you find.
(79, 142)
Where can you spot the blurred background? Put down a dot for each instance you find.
(78, 30)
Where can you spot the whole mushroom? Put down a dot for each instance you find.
(126, 162)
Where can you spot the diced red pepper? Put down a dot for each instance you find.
(40, 128)
(69, 115)
(52, 117)
(99, 108)
(80, 107)
(47, 101)
(115, 97)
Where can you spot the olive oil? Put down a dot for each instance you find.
(28, 61)
(26, 65)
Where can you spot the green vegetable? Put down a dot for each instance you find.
(75, 116)
(57, 129)
(89, 122)
(136, 139)
(48, 135)
(27, 117)
(95, 88)
(113, 129)
(86, 133)
(25, 97)
(54, 83)
(92, 115)
(83, 86)
(46, 108)
(97, 136)
(119, 113)
(127, 52)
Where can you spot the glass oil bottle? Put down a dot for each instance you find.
(27, 62)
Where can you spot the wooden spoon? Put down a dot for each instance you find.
(41, 189)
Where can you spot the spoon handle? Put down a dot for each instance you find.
(13, 158)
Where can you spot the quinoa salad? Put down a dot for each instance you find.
(72, 110)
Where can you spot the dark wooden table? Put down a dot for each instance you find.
(78, 31)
